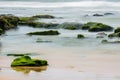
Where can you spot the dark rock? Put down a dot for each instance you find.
(106, 14)
(98, 15)
(50, 32)
(114, 35)
(80, 36)
(117, 30)
(27, 61)
(44, 16)
(8, 22)
(18, 54)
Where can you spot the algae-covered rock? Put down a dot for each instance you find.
(96, 27)
(100, 27)
(88, 25)
(8, 21)
(50, 32)
(44, 16)
(114, 35)
(70, 25)
(117, 30)
(1, 31)
(80, 36)
(26, 20)
(27, 61)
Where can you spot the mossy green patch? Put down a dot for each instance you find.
(27, 61)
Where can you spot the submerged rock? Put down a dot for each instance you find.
(44, 16)
(98, 15)
(50, 32)
(106, 14)
(18, 54)
(70, 25)
(26, 20)
(43, 25)
(106, 41)
(80, 36)
(27, 61)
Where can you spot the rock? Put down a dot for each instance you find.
(8, 22)
(26, 20)
(100, 27)
(87, 25)
(106, 41)
(50, 32)
(96, 27)
(44, 16)
(106, 14)
(27, 61)
(98, 15)
(117, 30)
(18, 54)
(1, 31)
(70, 25)
(80, 36)
(114, 35)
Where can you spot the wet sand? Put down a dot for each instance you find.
(80, 63)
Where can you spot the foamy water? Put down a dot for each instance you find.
(59, 4)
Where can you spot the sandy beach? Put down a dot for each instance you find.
(69, 61)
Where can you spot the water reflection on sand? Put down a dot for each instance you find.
(26, 70)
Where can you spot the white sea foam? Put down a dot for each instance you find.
(59, 4)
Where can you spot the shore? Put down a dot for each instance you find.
(73, 61)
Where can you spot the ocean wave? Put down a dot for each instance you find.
(59, 4)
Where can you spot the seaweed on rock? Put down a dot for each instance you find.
(50, 32)
(96, 27)
(27, 61)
